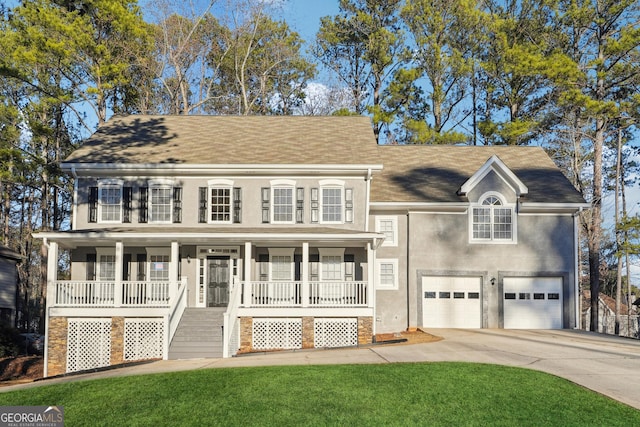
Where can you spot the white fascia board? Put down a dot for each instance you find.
(308, 311)
(87, 169)
(420, 207)
(495, 164)
(71, 240)
(539, 207)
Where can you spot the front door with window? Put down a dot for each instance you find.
(218, 281)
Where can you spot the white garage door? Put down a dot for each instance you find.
(533, 303)
(451, 302)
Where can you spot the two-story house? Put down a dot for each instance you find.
(205, 236)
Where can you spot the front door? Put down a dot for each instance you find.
(217, 281)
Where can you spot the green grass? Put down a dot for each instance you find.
(453, 394)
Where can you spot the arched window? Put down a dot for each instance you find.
(492, 220)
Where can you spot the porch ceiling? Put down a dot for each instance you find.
(273, 236)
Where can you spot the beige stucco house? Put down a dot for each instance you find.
(205, 236)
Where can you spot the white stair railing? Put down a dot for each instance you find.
(230, 332)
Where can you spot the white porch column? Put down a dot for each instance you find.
(52, 277)
(371, 281)
(304, 273)
(117, 297)
(246, 290)
(173, 270)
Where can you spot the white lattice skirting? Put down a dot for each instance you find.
(335, 332)
(143, 338)
(270, 334)
(88, 344)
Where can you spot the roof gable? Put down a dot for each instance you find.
(496, 165)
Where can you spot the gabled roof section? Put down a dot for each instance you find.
(496, 165)
(229, 140)
(433, 174)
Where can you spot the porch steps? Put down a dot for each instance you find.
(199, 334)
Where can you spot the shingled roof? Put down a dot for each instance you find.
(415, 173)
(240, 140)
(434, 173)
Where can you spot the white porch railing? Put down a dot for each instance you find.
(112, 294)
(320, 294)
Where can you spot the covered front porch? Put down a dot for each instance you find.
(267, 276)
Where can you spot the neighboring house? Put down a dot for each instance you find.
(8, 284)
(204, 236)
(629, 321)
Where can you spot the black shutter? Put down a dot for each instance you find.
(263, 261)
(126, 263)
(126, 204)
(143, 205)
(348, 204)
(237, 205)
(299, 205)
(93, 204)
(202, 206)
(315, 204)
(177, 204)
(141, 260)
(266, 204)
(91, 266)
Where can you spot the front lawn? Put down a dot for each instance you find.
(453, 394)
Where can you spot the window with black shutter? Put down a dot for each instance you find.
(126, 204)
(177, 204)
(93, 204)
(143, 205)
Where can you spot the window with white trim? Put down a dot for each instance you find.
(220, 204)
(160, 204)
(492, 220)
(331, 264)
(282, 204)
(387, 272)
(110, 201)
(281, 266)
(332, 203)
(388, 225)
(106, 265)
(158, 268)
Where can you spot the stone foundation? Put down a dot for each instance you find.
(365, 333)
(57, 346)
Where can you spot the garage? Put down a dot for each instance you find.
(451, 302)
(532, 302)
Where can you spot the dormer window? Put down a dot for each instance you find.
(492, 220)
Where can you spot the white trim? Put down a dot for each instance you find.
(394, 224)
(160, 185)
(334, 186)
(281, 252)
(503, 204)
(392, 261)
(110, 184)
(282, 184)
(220, 182)
(495, 164)
(225, 169)
(161, 182)
(339, 252)
(100, 252)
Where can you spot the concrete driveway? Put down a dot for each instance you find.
(606, 364)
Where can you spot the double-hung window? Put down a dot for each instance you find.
(387, 272)
(388, 225)
(110, 201)
(281, 264)
(331, 264)
(492, 220)
(283, 204)
(332, 203)
(161, 204)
